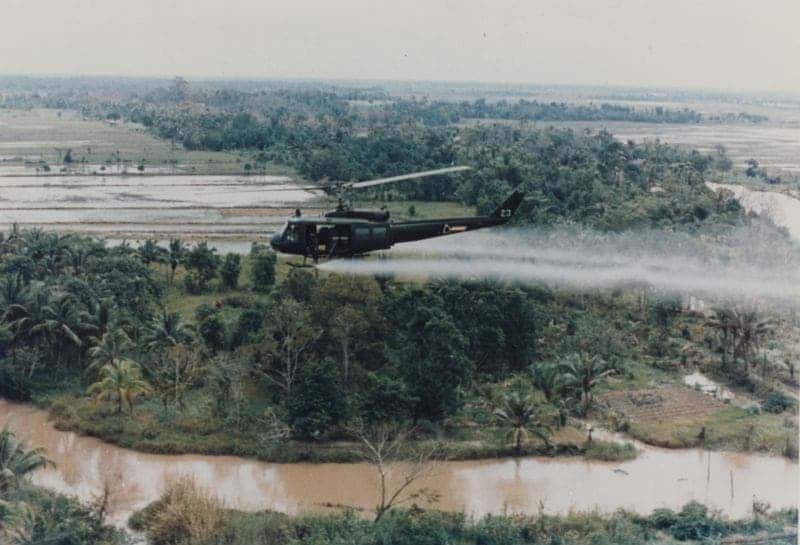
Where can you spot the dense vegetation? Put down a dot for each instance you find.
(185, 515)
(91, 331)
(30, 515)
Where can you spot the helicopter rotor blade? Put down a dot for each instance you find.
(412, 176)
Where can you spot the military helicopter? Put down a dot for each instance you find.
(349, 232)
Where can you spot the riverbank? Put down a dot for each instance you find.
(149, 432)
(186, 514)
(85, 467)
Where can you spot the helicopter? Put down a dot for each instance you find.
(349, 232)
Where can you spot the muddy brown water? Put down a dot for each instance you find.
(657, 478)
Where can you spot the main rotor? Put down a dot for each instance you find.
(341, 190)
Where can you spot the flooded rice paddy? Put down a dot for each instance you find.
(775, 147)
(657, 478)
(157, 206)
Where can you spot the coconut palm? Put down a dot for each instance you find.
(64, 323)
(16, 462)
(123, 382)
(167, 330)
(741, 332)
(177, 250)
(110, 349)
(80, 250)
(583, 372)
(12, 290)
(26, 317)
(547, 378)
(151, 252)
(749, 330)
(522, 415)
(101, 315)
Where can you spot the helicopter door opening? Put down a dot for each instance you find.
(333, 240)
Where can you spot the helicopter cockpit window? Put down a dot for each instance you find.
(291, 233)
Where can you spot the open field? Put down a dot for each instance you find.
(680, 417)
(35, 136)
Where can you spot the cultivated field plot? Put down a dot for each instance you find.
(30, 137)
(660, 404)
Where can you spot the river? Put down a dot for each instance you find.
(657, 478)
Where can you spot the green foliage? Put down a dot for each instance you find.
(262, 267)
(47, 517)
(420, 527)
(429, 352)
(231, 268)
(693, 522)
(523, 415)
(777, 402)
(317, 402)
(609, 451)
(213, 332)
(122, 381)
(300, 284)
(203, 262)
(385, 399)
(16, 461)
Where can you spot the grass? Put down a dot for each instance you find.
(195, 430)
(609, 451)
(732, 428)
(186, 514)
(44, 135)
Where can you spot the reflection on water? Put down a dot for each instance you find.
(657, 478)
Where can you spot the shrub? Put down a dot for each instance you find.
(203, 262)
(777, 402)
(212, 331)
(318, 402)
(193, 284)
(663, 519)
(693, 522)
(231, 267)
(262, 267)
(185, 514)
(610, 451)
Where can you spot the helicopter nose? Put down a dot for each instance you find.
(275, 242)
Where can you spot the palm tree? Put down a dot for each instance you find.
(547, 378)
(749, 330)
(123, 382)
(176, 252)
(12, 290)
(16, 462)
(167, 330)
(151, 252)
(110, 349)
(584, 372)
(740, 330)
(64, 323)
(101, 315)
(79, 252)
(523, 417)
(26, 317)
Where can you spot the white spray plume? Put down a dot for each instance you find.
(742, 265)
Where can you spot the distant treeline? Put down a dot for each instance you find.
(443, 113)
(352, 134)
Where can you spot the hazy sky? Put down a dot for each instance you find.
(725, 44)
